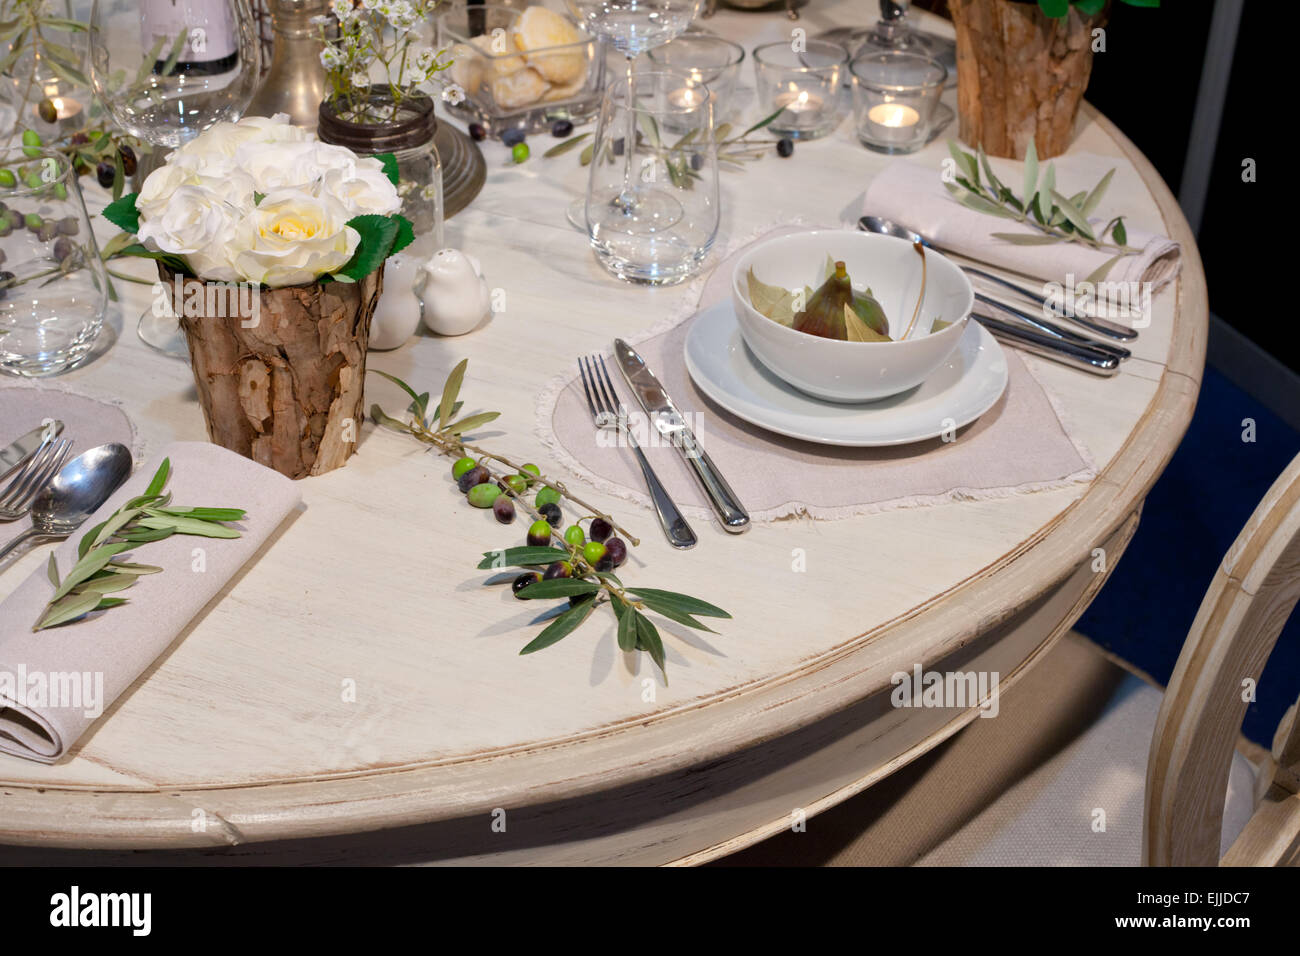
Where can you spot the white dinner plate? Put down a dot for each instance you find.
(965, 387)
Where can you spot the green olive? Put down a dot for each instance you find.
(461, 466)
(593, 552)
(482, 496)
(574, 536)
(547, 496)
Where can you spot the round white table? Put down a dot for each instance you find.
(583, 752)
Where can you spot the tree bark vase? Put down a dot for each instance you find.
(1021, 75)
(285, 386)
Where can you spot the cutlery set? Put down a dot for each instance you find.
(1031, 333)
(60, 494)
(609, 413)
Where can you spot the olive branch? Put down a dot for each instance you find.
(1054, 217)
(98, 573)
(571, 575)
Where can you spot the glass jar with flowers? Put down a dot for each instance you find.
(377, 66)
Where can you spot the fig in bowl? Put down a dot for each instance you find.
(849, 316)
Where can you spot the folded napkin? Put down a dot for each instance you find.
(54, 683)
(1019, 446)
(914, 195)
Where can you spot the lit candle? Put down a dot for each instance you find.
(799, 101)
(686, 98)
(893, 114)
(893, 123)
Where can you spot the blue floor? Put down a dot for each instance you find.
(1191, 517)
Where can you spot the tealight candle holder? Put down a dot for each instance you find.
(894, 99)
(706, 61)
(803, 81)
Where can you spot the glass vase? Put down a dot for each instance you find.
(406, 130)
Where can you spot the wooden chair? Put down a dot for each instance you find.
(1253, 593)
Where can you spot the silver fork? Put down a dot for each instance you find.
(44, 464)
(608, 413)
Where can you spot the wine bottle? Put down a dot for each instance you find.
(210, 45)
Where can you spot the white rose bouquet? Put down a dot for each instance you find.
(265, 202)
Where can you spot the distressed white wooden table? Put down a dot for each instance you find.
(583, 752)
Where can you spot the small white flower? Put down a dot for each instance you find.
(400, 14)
(342, 9)
(360, 81)
(425, 60)
(453, 94)
(320, 21)
(331, 58)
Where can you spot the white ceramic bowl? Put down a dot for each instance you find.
(854, 371)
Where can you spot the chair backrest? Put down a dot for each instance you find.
(1252, 595)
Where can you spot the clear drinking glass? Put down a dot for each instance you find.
(894, 98)
(706, 59)
(632, 27)
(655, 224)
(53, 288)
(166, 70)
(803, 81)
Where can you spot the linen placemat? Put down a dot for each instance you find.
(87, 422)
(103, 655)
(914, 195)
(1018, 446)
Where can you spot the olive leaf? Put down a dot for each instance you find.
(145, 518)
(1055, 217)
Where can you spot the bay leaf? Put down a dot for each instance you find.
(772, 301)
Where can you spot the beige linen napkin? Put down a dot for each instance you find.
(54, 683)
(914, 195)
(1020, 445)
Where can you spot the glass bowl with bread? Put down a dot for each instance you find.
(520, 65)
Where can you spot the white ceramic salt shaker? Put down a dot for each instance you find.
(397, 314)
(454, 293)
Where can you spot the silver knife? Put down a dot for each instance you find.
(668, 421)
(17, 453)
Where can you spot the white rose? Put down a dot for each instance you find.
(292, 238)
(365, 190)
(292, 165)
(199, 224)
(222, 140)
(231, 185)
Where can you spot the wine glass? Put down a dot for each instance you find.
(165, 71)
(631, 27)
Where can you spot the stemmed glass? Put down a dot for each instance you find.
(892, 32)
(632, 27)
(165, 71)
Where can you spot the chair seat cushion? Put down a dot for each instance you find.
(1083, 807)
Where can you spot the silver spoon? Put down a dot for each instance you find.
(73, 495)
(887, 227)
